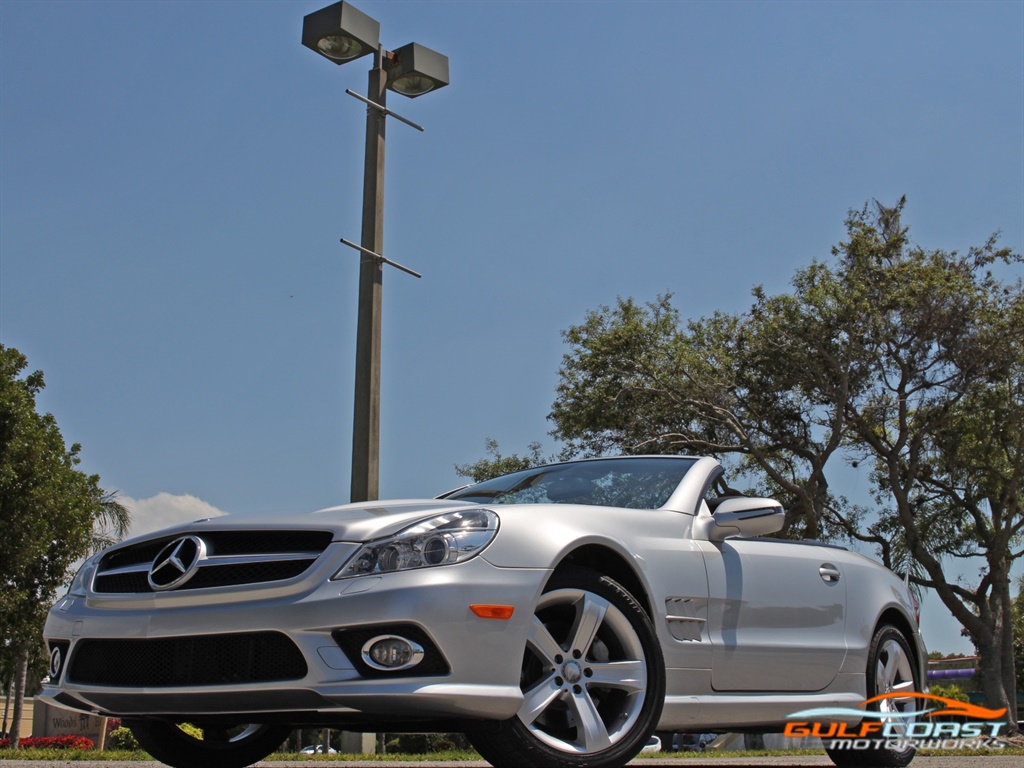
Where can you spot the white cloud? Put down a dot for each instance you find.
(165, 510)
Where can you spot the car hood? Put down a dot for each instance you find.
(362, 521)
(367, 520)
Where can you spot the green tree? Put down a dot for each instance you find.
(637, 380)
(941, 418)
(497, 465)
(903, 359)
(51, 513)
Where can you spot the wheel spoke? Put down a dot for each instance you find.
(893, 655)
(591, 732)
(542, 643)
(881, 676)
(538, 699)
(880, 682)
(589, 615)
(900, 703)
(897, 727)
(630, 676)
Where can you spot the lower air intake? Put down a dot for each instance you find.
(254, 657)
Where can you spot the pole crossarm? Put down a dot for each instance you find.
(380, 259)
(384, 110)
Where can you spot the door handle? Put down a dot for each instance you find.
(829, 573)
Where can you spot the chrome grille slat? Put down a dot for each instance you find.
(233, 558)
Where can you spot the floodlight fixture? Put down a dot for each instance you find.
(340, 33)
(415, 69)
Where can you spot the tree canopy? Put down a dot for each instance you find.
(498, 464)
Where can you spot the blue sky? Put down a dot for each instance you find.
(175, 177)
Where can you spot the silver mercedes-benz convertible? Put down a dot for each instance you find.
(557, 616)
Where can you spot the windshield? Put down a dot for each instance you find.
(630, 482)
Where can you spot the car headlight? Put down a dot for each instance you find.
(450, 538)
(80, 584)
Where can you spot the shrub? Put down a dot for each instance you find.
(949, 691)
(191, 730)
(51, 742)
(122, 738)
(426, 743)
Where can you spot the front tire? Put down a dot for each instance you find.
(891, 670)
(593, 681)
(219, 747)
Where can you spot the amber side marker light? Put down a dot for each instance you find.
(493, 611)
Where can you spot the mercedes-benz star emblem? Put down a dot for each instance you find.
(176, 563)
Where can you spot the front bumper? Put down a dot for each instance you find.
(479, 678)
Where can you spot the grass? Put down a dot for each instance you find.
(69, 755)
(389, 757)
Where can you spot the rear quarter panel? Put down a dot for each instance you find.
(872, 591)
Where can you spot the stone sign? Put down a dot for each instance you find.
(48, 720)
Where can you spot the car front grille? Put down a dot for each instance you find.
(230, 558)
(253, 657)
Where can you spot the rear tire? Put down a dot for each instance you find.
(220, 746)
(891, 669)
(593, 681)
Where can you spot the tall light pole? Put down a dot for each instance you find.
(343, 33)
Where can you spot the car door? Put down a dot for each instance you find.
(776, 615)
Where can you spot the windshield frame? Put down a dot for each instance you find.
(564, 478)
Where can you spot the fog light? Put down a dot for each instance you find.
(392, 653)
(56, 662)
(59, 652)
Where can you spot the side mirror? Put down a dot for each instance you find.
(739, 516)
